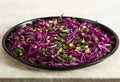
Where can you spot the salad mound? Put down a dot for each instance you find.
(59, 42)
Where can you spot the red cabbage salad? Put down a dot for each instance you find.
(59, 42)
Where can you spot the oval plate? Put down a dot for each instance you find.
(103, 28)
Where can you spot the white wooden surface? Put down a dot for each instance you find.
(13, 12)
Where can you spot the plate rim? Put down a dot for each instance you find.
(61, 67)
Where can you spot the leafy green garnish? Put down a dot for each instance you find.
(59, 39)
(49, 28)
(78, 40)
(59, 44)
(21, 31)
(82, 46)
(86, 30)
(31, 37)
(16, 37)
(44, 49)
(110, 47)
(56, 48)
(86, 43)
(72, 59)
(67, 44)
(63, 34)
(62, 57)
(61, 27)
(62, 40)
(19, 50)
(44, 63)
(48, 53)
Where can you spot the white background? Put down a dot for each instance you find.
(13, 12)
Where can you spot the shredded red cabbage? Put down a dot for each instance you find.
(59, 42)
